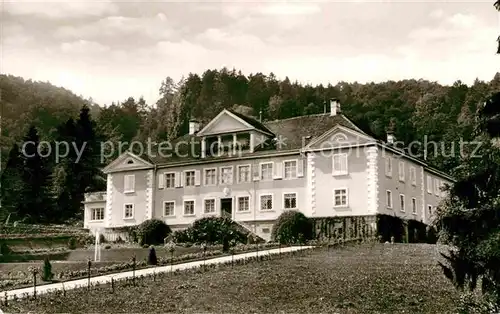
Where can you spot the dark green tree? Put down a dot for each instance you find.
(11, 183)
(90, 177)
(36, 200)
(469, 220)
(64, 185)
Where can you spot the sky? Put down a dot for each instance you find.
(112, 50)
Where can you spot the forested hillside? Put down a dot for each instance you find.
(37, 111)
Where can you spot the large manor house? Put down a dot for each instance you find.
(251, 171)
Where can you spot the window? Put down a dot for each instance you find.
(414, 205)
(413, 176)
(388, 166)
(97, 214)
(210, 206)
(243, 173)
(189, 177)
(429, 184)
(429, 209)
(210, 176)
(128, 211)
(189, 208)
(226, 175)
(169, 209)
(388, 197)
(339, 164)
(243, 203)
(290, 200)
(266, 171)
(266, 202)
(401, 171)
(340, 198)
(129, 184)
(170, 180)
(290, 169)
(436, 186)
(402, 202)
(266, 230)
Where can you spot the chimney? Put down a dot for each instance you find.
(390, 138)
(194, 126)
(390, 132)
(334, 107)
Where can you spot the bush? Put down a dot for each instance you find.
(182, 236)
(47, 274)
(431, 236)
(5, 249)
(152, 231)
(102, 238)
(215, 230)
(152, 260)
(292, 227)
(72, 243)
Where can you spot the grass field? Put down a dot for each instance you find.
(366, 279)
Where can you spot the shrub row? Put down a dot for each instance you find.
(23, 229)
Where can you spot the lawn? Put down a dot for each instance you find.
(366, 279)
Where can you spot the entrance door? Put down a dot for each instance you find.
(226, 207)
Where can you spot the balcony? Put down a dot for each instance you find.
(95, 197)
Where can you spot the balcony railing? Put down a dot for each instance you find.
(95, 197)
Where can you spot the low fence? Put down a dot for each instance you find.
(349, 227)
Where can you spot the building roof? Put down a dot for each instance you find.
(291, 132)
(294, 133)
(250, 120)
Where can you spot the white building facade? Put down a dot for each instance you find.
(322, 165)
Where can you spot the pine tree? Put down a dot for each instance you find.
(47, 270)
(36, 201)
(152, 260)
(11, 183)
(64, 185)
(90, 176)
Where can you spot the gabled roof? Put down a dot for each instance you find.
(249, 122)
(139, 162)
(254, 122)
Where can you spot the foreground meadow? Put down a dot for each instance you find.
(365, 279)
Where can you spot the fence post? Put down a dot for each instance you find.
(6, 299)
(133, 270)
(204, 256)
(89, 264)
(257, 246)
(112, 285)
(34, 271)
(34, 285)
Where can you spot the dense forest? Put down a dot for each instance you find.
(39, 111)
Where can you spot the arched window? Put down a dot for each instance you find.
(339, 138)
